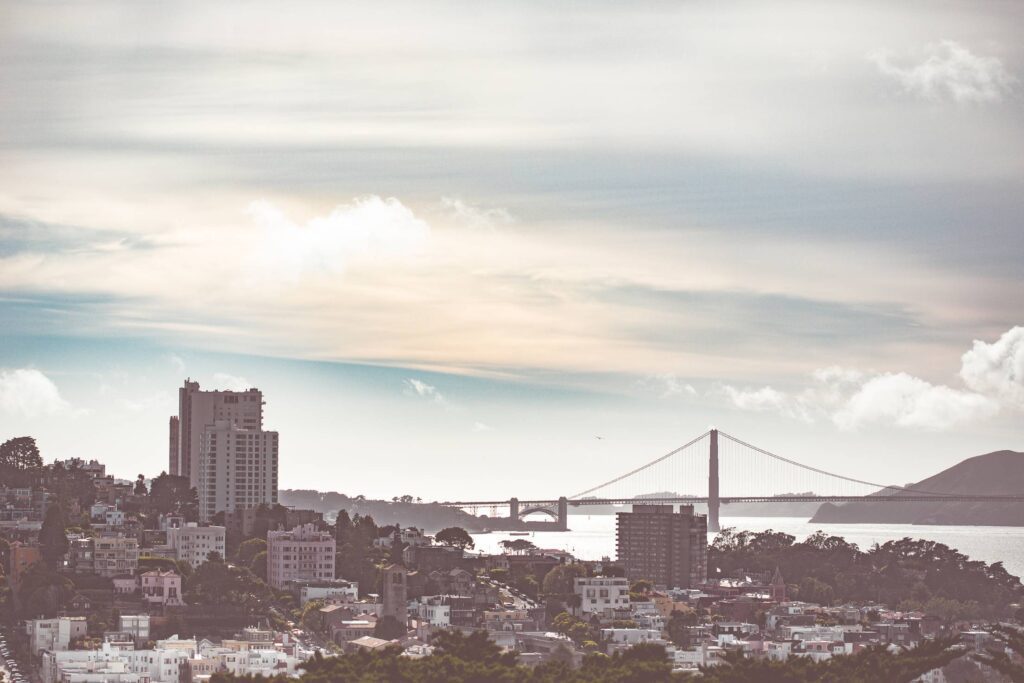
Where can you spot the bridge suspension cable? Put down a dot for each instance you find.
(831, 474)
(641, 468)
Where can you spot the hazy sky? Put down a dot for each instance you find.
(454, 242)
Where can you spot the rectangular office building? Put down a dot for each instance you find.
(668, 548)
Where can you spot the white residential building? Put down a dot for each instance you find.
(193, 543)
(338, 590)
(302, 553)
(135, 625)
(602, 594)
(630, 636)
(434, 610)
(54, 634)
(111, 664)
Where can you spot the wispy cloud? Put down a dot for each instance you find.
(223, 380)
(476, 217)
(948, 70)
(27, 392)
(667, 385)
(420, 389)
(177, 362)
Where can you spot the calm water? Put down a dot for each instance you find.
(593, 537)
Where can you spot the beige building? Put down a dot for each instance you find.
(199, 409)
(115, 554)
(299, 554)
(238, 468)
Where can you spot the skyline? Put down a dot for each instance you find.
(515, 232)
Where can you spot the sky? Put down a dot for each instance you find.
(456, 242)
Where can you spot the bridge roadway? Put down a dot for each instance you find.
(920, 498)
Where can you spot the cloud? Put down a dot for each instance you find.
(667, 385)
(415, 387)
(29, 393)
(476, 217)
(767, 399)
(227, 382)
(481, 427)
(851, 399)
(370, 228)
(997, 369)
(177, 362)
(907, 401)
(949, 71)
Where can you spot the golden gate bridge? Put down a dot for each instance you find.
(697, 470)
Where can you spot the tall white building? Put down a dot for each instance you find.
(198, 410)
(237, 468)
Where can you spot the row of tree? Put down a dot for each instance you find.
(828, 569)
(460, 658)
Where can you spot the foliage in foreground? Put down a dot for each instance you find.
(474, 659)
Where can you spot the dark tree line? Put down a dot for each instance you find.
(908, 573)
(470, 659)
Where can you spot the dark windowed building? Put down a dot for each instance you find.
(668, 548)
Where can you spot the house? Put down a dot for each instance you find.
(54, 634)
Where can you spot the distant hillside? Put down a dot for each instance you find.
(999, 473)
(429, 516)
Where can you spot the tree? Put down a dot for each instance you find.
(1011, 638)
(343, 528)
(310, 619)
(678, 621)
(640, 589)
(248, 550)
(20, 453)
(173, 495)
(140, 486)
(53, 540)
(561, 580)
(455, 537)
(389, 628)
(258, 566)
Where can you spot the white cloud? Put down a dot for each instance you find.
(993, 375)
(907, 401)
(415, 387)
(224, 381)
(767, 399)
(667, 385)
(29, 393)
(370, 228)
(949, 70)
(177, 362)
(997, 369)
(481, 427)
(476, 217)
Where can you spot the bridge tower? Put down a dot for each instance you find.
(513, 509)
(713, 503)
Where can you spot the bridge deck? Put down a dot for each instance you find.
(931, 498)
